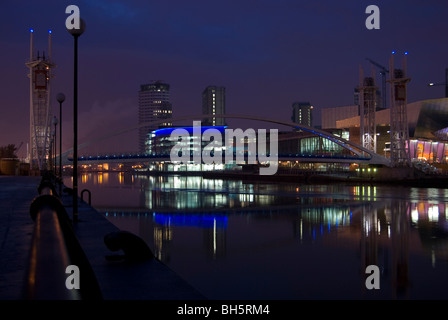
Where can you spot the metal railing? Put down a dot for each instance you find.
(54, 247)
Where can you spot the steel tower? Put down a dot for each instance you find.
(399, 131)
(367, 109)
(40, 107)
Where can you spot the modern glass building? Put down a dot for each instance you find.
(160, 145)
(205, 148)
(159, 141)
(153, 105)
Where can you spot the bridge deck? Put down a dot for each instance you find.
(281, 157)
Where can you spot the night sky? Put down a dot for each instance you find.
(268, 54)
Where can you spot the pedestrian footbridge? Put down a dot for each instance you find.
(316, 145)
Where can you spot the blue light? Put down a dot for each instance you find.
(31, 30)
(49, 31)
(168, 131)
(406, 53)
(393, 52)
(194, 220)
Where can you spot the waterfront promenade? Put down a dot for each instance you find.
(148, 280)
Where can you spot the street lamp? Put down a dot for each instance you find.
(432, 84)
(75, 33)
(51, 159)
(55, 123)
(60, 97)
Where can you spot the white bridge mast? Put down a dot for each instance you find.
(367, 106)
(399, 131)
(40, 105)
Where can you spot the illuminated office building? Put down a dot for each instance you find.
(159, 141)
(302, 113)
(214, 103)
(153, 105)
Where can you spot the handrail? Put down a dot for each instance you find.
(54, 247)
(49, 255)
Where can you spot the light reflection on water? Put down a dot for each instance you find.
(235, 240)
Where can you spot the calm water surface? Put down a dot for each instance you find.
(238, 240)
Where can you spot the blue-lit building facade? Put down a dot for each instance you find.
(159, 144)
(159, 141)
(295, 149)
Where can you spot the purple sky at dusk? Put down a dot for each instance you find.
(268, 54)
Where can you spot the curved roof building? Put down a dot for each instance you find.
(427, 119)
(428, 129)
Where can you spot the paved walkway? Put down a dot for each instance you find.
(151, 280)
(16, 229)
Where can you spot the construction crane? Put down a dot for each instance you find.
(383, 72)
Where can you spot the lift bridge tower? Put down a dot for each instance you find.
(367, 108)
(399, 130)
(40, 107)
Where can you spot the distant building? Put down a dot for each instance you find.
(159, 142)
(302, 113)
(330, 116)
(214, 103)
(153, 105)
(428, 127)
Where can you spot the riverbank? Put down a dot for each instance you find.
(391, 176)
(382, 176)
(118, 280)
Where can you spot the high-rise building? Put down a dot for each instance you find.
(214, 103)
(302, 113)
(153, 105)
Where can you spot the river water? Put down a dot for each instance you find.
(232, 239)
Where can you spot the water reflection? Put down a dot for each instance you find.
(304, 241)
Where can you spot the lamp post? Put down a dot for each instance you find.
(60, 97)
(55, 123)
(52, 159)
(75, 33)
(442, 84)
